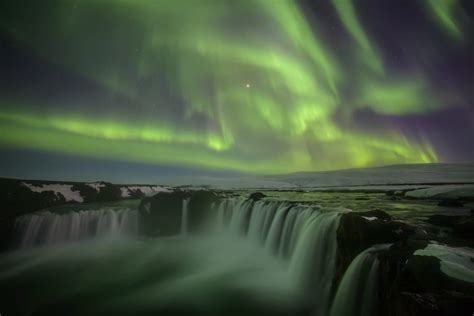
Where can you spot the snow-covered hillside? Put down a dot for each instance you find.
(396, 174)
(89, 192)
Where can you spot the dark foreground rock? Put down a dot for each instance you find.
(414, 285)
(358, 231)
(409, 284)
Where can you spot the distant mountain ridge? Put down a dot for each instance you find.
(385, 175)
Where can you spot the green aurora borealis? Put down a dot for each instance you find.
(258, 86)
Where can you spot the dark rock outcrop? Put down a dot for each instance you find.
(429, 304)
(379, 214)
(106, 192)
(409, 284)
(256, 196)
(17, 199)
(109, 192)
(88, 193)
(414, 285)
(162, 214)
(462, 226)
(200, 209)
(135, 194)
(358, 231)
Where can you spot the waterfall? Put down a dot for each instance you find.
(184, 217)
(357, 292)
(303, 235)
(298, 242)
(50, 228)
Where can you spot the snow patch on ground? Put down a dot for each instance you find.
(64, 189)
(455, 262)
(96, 185)
(147, 190)
(372, 218)
(444, 192)
(124, 192)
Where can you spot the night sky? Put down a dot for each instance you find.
(142, 88)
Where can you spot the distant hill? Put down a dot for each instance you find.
(393, 174)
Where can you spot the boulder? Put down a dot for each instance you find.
(256, 196)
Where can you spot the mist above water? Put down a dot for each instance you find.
(204, 275)
(254, 258)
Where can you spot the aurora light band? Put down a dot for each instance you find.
(259, 86)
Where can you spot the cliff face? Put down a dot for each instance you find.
(162, 214)
(417, 275)
(19, 197)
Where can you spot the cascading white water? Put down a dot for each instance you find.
(50, 228)
(357, 292)
(298, 241)
(184, 217)
(303, 235)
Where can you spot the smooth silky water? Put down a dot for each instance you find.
(254, 258)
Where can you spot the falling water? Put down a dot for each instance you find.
(298, 241)
(184, 217)
(50, 228)
(357, 292)
(303, 235)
